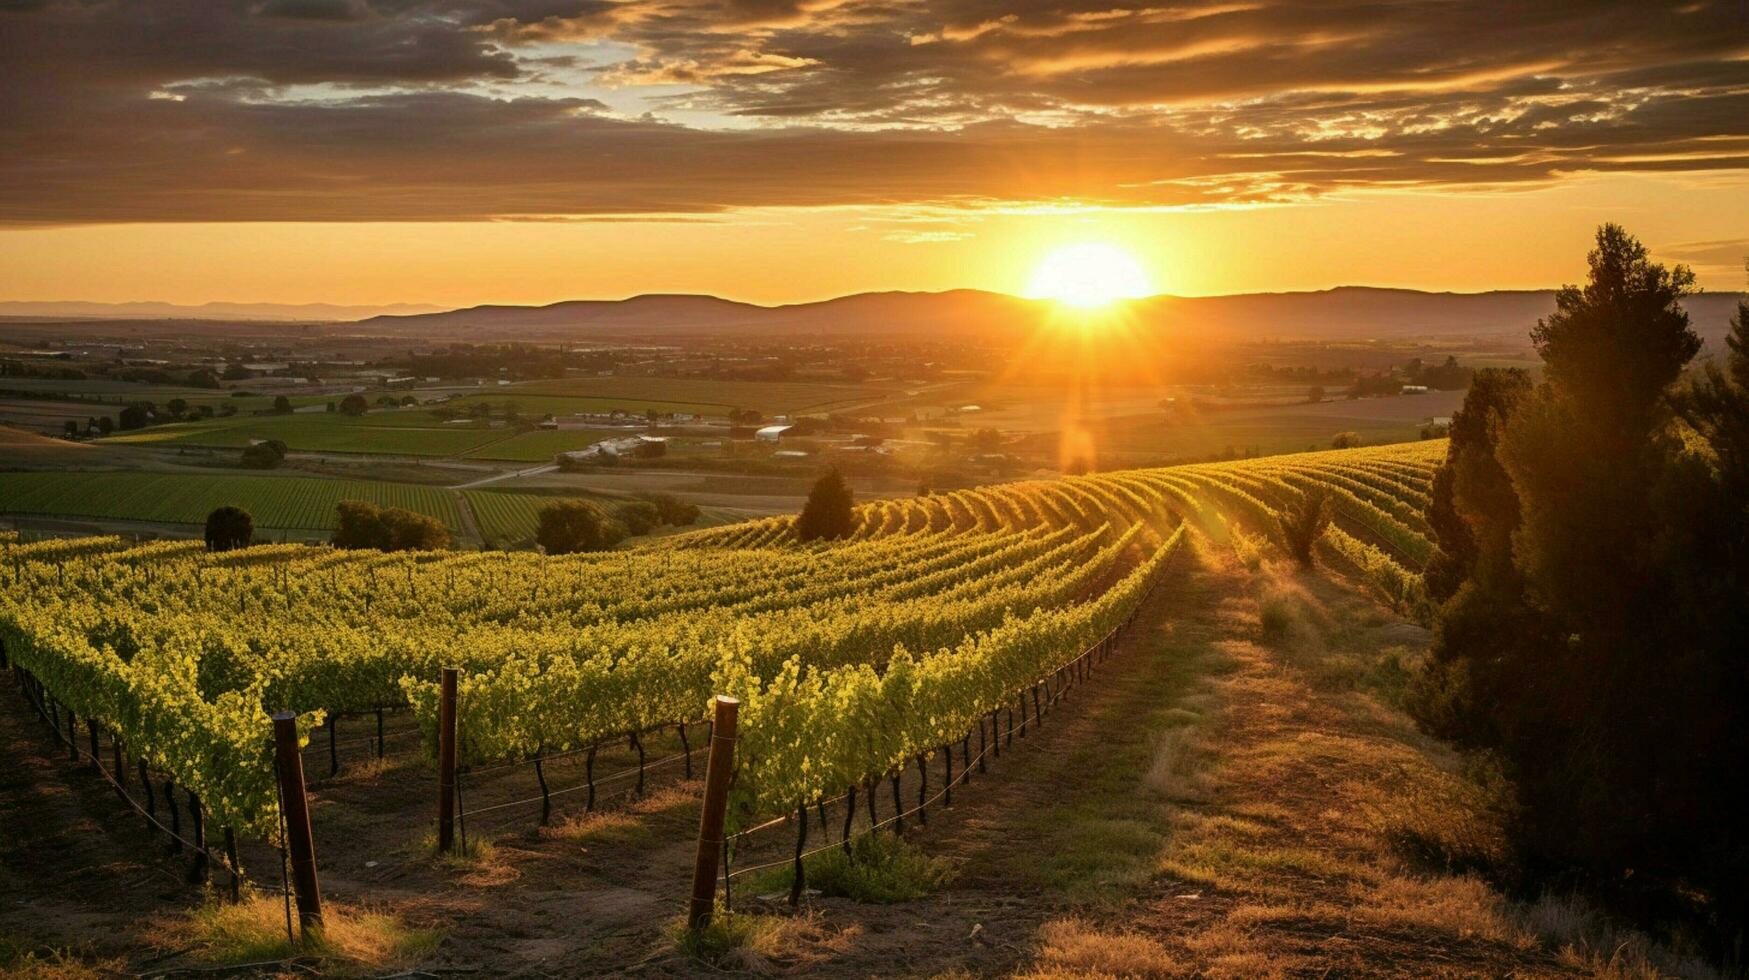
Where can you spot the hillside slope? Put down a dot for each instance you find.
(1188, 760)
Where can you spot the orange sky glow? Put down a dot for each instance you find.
(454, 152)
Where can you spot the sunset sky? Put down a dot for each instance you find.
(457, 152)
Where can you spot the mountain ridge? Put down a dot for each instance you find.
(1336, 313)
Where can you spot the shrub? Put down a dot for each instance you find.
(262, 456)
(672, 509)
(1303, 524)
(137, 415)
(282, 405)
(880, 868)
(1346, 440)
(638, 516)
(827, 513)
(354, 405)
(365, 525)
(571, 526)
(228, 528)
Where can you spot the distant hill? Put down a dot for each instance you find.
(305, 312)
(1344, 313)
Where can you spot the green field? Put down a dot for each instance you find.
(703, 394)
(1287, 434)
(290, 503)
(400, 433)
(103, 391)
(508, 519)
(543, 445)
(536, 405)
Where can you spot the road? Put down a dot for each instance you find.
(511, 474)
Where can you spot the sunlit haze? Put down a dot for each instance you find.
(1088, 275)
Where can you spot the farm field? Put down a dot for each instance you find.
(276, 502)
(945, 623)
(507, 519)
(400, 432)
(542, 445)
(770, 397)
(536, 405)
(98, 397)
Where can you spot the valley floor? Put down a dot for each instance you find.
(1232, 795)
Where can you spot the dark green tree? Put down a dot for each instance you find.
(228, 528)
(673, 510)
(137, 415)
(354, 405)
(1594, 642)
(1489, 508)
(262, 456)
(638, 516)
(365, 525)
(827, 514)
(570, 526)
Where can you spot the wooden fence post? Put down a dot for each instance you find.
(299, 844)
(721, 762)
(446, 763)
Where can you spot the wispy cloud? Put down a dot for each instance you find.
(201, 110)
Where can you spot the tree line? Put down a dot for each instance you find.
(1592, 575)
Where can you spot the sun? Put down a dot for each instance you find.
(1088, 275)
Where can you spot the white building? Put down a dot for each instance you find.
(772, 433)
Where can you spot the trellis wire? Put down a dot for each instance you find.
(625, 773)
(82, 755)
(959, 778)
(1081, 663)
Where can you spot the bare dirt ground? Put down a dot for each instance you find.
(1227, 798)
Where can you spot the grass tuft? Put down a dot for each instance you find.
(22, 961)
(605, 827)
(1588, 941)
(744, 940)
(880, 868)
(353, 940)
(1073, 948)
(1451, 823)
(477, 852)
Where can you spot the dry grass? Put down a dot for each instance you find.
(1587, 941)
(22, 961)
(1073, 948)
(1325, 813)
(1464, 906)
(349, 941)
(476, 861)
(624, 825)
(607, 827)
(753, 943)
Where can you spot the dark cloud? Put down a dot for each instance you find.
(157, 110)
(315, 9)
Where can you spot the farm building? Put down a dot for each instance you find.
(614, 449)
(772, 433)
